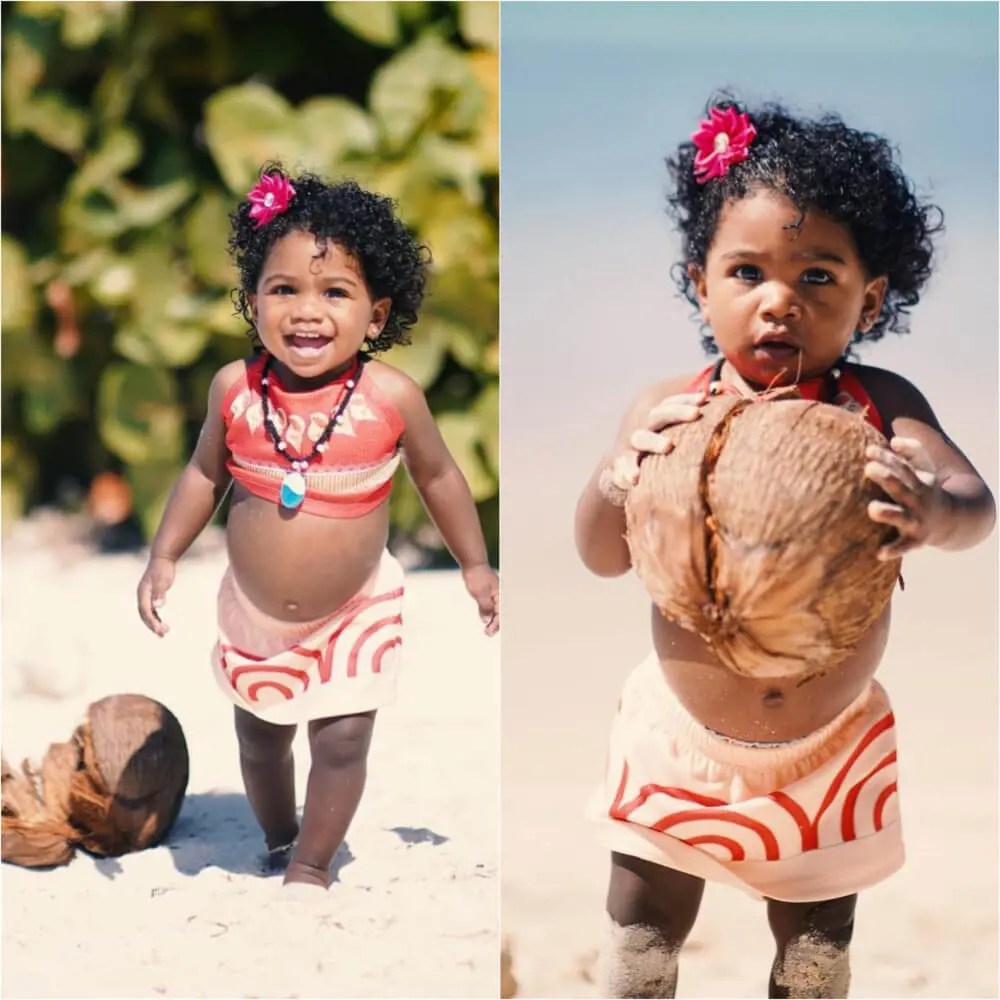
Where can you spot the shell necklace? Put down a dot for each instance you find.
(293, 486)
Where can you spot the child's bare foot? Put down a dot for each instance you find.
(277, 859)
(339, 749)
(300, 873)
(268, 770)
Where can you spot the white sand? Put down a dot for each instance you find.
(414, 911)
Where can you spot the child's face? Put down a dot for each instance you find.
(783, 301)
(313, 309)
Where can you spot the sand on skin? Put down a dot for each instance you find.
(414, 910)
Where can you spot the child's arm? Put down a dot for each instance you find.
(939, 499)
(600, 516)
(444, 492)
(196, 495)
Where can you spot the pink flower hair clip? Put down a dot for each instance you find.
(269, 198)
(722, 140)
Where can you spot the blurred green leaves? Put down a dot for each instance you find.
(249, 124)
(131, 131)
(139, 414)
(18, 303)
(376, 22)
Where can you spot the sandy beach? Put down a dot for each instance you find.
(413, 911)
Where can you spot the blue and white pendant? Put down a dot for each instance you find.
(293, 489)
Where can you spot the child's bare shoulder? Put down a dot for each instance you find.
(224, 379)
(389, 379)
(893, 395)
(395, 386)
(227, 375)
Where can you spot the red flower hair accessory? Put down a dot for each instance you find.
(269, 198)
(722, 140)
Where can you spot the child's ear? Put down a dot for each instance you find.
(252, 302)
(697, 276)
(871, 305)
(380, 316)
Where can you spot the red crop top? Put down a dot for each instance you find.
(846, 391)
(351, 477)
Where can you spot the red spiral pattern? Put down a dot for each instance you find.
(857, 800)
(359, 643)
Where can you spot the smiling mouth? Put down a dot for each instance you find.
(307, 341)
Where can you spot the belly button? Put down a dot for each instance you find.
(774, 698)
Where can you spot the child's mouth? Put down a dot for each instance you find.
(306, 345)
(776, 350)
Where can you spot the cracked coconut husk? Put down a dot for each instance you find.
(114, 787)
(754, 533)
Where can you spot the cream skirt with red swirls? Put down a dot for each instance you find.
(291, 672)
(812, 819)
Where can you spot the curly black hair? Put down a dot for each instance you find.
(365, 225)
(823, 165)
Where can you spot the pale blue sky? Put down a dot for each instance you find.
(874, 27)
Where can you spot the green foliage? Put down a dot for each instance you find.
(130, 132)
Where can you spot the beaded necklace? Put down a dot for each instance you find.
(293, 486)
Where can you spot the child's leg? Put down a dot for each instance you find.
(336, 780)
(268, 775)
(812, 941)
(652, 910)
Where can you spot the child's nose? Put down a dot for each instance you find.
(307, 306)
(779, 302)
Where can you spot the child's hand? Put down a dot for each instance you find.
(624, 471)
(907, 474)
(483, 586)
(153, 587)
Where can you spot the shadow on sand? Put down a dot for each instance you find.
(218, 830)
(411, 835)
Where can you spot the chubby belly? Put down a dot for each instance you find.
(298, 567)
(762, 710)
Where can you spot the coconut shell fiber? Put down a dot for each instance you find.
(114, 787)
(753, 532)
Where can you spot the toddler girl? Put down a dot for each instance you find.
(310, 431)
(801, 239)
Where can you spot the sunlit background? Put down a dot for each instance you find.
(594, 97)
(130, 131)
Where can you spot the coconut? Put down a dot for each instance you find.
(115, 787)
(754, 533)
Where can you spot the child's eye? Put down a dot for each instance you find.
(747, 272)
(817, 276)
(336, 292)
(282, 290)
